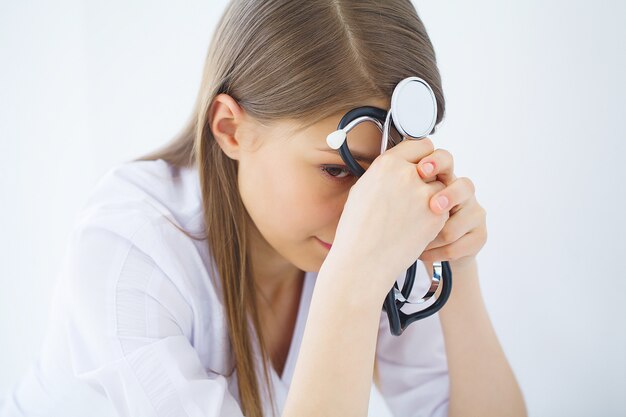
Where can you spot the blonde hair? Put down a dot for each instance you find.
(287, 59)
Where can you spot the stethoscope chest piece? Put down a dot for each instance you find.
(413, 108)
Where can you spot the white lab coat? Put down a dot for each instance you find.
(137, 325)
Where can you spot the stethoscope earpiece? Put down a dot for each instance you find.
(414, 114)
(336, 139)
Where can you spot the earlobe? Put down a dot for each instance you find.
(225, 116)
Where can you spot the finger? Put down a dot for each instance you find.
(412, 150)
(442, 164)
(468, 245)
(458, 192)
(457, 225)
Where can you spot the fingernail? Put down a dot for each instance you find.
(427, 168)
(442, 202)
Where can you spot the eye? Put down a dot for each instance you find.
(334, 172)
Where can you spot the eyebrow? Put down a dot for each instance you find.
(356, 155)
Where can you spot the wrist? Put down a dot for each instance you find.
(356, 282)
(466, 294)
(465, 263)
(462, 265)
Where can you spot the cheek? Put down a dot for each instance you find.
(272, 192)
(288, 199)
(311, 206)
(297, 207)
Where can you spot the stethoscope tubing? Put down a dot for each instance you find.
(398, 320)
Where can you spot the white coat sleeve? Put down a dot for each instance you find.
(129, 333)
(413, 368)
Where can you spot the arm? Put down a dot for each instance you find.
(333, 374)
(481, 380)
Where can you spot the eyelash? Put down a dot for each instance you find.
(343, 168)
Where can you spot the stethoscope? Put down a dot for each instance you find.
(414, 109)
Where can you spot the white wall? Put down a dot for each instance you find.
(535, 117)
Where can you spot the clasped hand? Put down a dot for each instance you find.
(465, 231)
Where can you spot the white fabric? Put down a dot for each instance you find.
(137, 325)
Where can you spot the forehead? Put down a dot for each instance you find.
(364, 140)
(312, 139)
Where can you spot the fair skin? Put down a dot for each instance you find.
(306, 204)
(284, 240)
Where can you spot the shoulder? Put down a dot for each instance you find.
(133, 193)
(136, 210)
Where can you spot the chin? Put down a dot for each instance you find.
(312, 257)
(311, 264)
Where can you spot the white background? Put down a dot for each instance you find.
(535, 118)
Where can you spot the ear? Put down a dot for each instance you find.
(226, 120)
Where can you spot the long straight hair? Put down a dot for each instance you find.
(287, 59)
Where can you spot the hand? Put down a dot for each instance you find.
(465, 231)
(386, 221)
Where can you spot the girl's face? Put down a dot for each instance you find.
(294, 187)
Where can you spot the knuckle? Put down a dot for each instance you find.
(432, 188)
(446, 235)
(469, 184)
(446, 155)
(408, 172)
(424, 191)
(428, 143)
(383, 162)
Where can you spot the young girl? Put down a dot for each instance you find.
(241, 270)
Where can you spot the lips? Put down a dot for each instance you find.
(326, 245)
